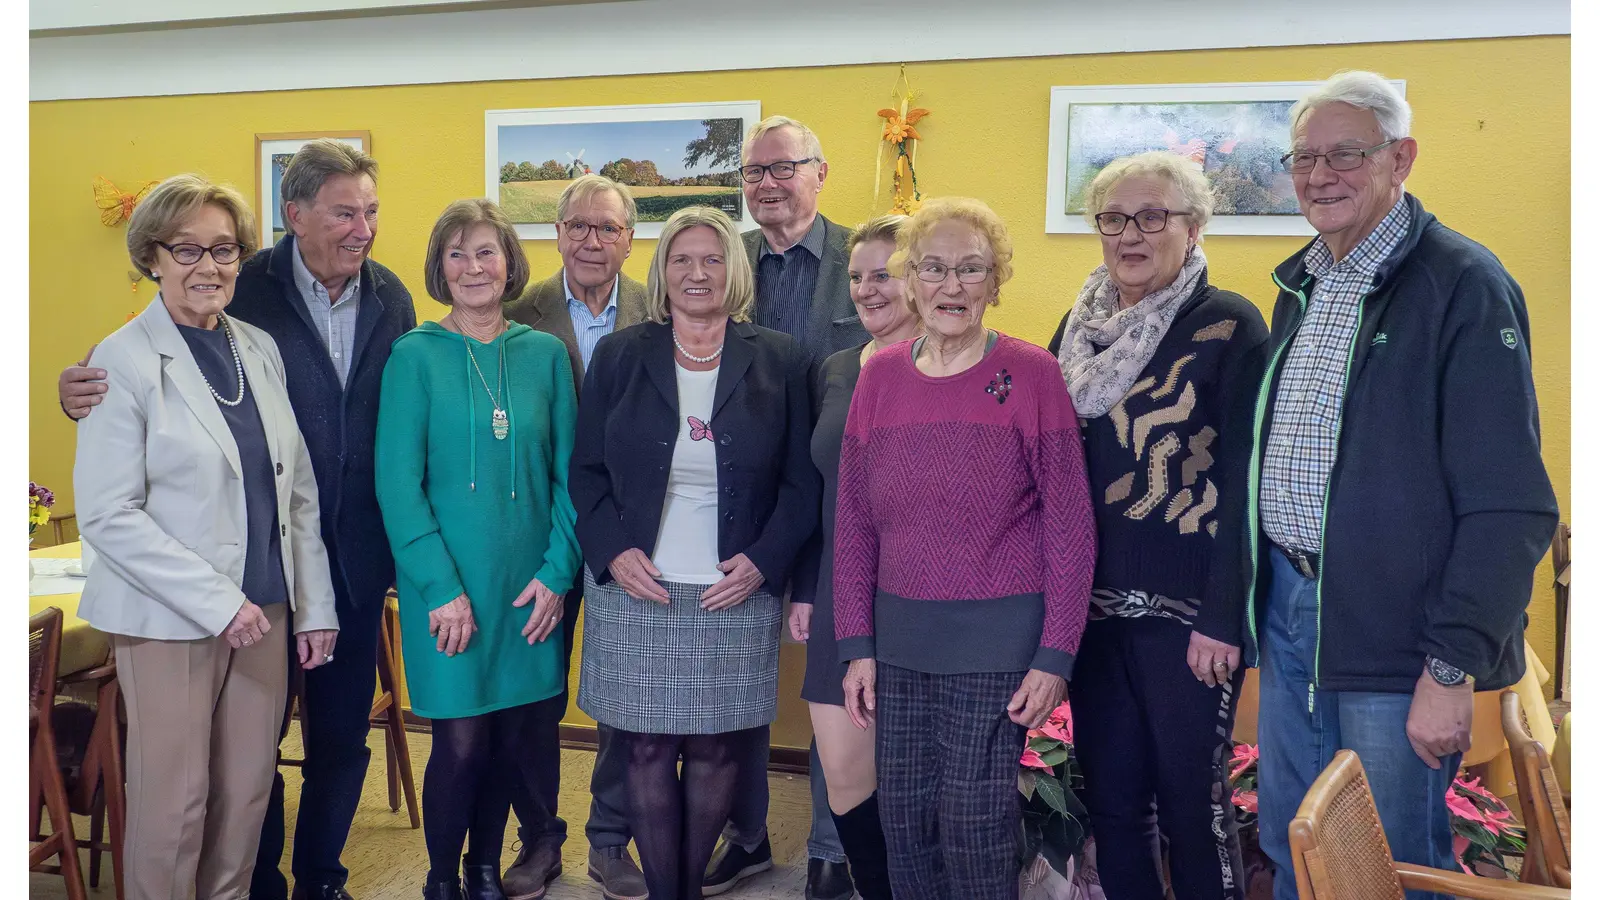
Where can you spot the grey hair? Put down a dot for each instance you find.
(1363, 90)
(1182, 173)
(591, 185)
(312, 165)
(807, 137)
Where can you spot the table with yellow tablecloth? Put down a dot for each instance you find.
(82, 646)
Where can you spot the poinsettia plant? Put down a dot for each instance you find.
(1482, 824)
(1054, 821)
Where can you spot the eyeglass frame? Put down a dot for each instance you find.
(588, 227)
(764, 170)
(1325, 157)
(173, 249)
(1166, 216)
(916, 267)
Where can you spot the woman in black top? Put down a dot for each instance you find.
(1162, 368)
(845, 750)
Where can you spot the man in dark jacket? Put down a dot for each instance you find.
(333, 313)
(1399, 503)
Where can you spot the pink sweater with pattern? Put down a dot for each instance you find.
(965, 539)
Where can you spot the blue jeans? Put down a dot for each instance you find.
(1298, 743)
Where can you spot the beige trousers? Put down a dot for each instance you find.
(203, 723)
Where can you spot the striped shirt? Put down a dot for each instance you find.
(335, 319)
(785, 283)
(588, 327)
(1304, 440)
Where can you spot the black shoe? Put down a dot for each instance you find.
(861, 835)
(442, 890)
(731, 864)
(482, 882)
(828, 881)
(320, 892)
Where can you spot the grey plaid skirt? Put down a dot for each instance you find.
(675, 668)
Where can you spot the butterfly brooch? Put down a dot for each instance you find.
(699, 431)
(116, 206)
(1000, 387)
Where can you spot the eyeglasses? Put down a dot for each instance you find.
(783, 169)
(577, 230)
(1148, 221)
(1301, 162)
(936, 272)
(189, 254)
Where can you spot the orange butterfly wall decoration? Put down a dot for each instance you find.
(115, 205)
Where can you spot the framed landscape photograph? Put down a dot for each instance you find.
(272, 157)
(670, 155)
(1237, 132)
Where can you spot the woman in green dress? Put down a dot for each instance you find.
(475, 429)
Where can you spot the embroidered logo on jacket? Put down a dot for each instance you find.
(1508, 336)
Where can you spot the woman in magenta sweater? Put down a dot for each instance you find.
(963, 557)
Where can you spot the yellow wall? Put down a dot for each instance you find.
(1492, 119)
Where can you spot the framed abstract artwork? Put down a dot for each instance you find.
(1237, 132)
(273, 152)
(670, 155)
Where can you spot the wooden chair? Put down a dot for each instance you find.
(47, 789)
(99, 788)
(1340, 851)
(60, 530)
(1561, 562)
(1544, 813)
(385, 714)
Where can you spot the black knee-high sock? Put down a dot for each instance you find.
(462, 752)
(655, 809)
(861, 835)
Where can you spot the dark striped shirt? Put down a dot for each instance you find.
(786, 282)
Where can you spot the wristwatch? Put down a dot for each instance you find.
(1446, 674)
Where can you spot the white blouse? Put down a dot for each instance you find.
(686, 547)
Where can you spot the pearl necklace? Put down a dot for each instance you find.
(690, 356)
(238, 367)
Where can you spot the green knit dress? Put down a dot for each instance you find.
(467, 512)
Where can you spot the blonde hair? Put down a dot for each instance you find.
(883, 228)
(808, 138)
(163, 212)
(313, 164)
(974, 213)
(591, 185)
(454, 222)
(741, 290)
(1182, 173)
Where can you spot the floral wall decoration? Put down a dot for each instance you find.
(900, 140)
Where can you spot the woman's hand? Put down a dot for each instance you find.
(547, 610)
(453, 625)
(316, 647)
(800, 621)
(740, 578)
(1210, 660)
(249, 625)
(637, 574)
(861, 692)
(1039, 695)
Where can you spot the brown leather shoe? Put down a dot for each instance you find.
(537, 865)
(619, 878)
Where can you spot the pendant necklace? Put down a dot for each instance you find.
(500, 423)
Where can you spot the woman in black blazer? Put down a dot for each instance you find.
(692, 478)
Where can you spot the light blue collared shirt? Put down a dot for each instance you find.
(335, 319)
(589, 327)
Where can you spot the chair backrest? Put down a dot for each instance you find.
(1337, 841)
(1544, 813)
(44, 659)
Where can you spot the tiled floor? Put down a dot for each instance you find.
(387, 859)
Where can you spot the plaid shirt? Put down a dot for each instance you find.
(1304, 440)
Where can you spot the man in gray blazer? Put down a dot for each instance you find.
(587, 299)
(802, 290)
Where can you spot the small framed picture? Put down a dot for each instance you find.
(670, 155)
(273, 152)
(1237, 132)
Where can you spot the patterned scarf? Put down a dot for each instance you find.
(1104, 348)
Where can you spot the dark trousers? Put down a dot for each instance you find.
(608, 785)
(947, 758)
(334, 724)
(747, 821)
(1150, 736)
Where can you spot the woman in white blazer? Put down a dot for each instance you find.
(195, 490)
